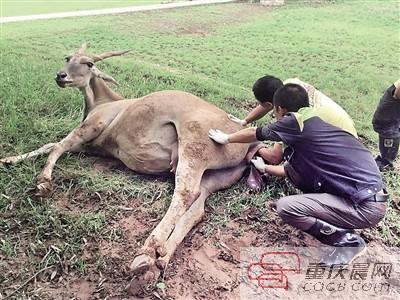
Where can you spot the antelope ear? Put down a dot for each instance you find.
(82, 49)
(108, 78)
(96, 72)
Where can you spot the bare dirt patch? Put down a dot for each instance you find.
(214, 17)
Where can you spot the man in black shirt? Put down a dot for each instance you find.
(341, 182)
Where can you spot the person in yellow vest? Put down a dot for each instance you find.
(264, 89)
(386, 123)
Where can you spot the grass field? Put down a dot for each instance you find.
(10, 8)
(349, 50)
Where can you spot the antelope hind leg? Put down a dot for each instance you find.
(187, 190)
(147, 269)
(212, 181)
(181, 217)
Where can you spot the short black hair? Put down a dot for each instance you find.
(292, 97)
(265, 87)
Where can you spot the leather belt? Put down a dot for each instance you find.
(381, 196)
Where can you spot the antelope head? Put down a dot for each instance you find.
(80, 68)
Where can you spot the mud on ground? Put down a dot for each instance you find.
(205, 266)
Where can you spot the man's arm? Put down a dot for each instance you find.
(247, 135)
(258, 162)
(255, 114)
(396, 93)
(272, 155)
(278, 171)
(288, 127)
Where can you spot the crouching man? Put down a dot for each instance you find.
(341, 182)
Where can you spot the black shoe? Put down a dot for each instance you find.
(344, 255)
(328, 234)
(383, 164)
(389, 148)
(348, 243)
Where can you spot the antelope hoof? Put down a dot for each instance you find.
(141, 264)
(5, 162)
(144, 277)
(44, 188)
(161, 251)
(161, 263)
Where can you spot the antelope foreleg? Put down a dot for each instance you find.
(73, 142)
(45, 149)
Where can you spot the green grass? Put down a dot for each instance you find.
(9, 8)
(349, 50)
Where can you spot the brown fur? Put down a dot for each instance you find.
(150, 135)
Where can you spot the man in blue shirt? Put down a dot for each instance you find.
(341, 182)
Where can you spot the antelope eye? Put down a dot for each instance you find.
(89, 64)
(67, 58)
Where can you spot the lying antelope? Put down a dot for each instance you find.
(160, 132)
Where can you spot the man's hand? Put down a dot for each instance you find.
(396, 94)
(258, 162)
(218, 136)
(237, 120)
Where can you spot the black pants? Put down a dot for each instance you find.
(301, 211)
(386, 120)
